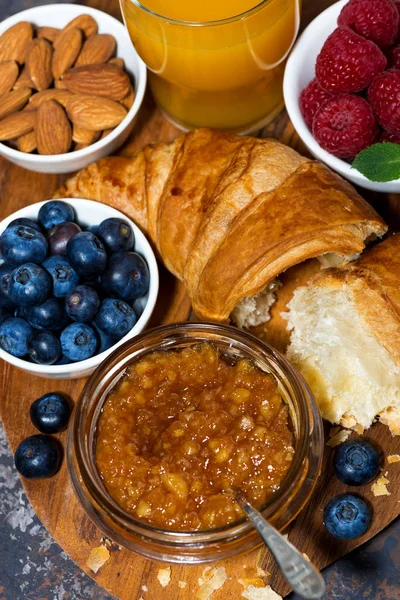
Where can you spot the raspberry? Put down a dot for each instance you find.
(376, 20)
(390, 137)
(393, 55)
(347, 62)
(345, 125)
(384, 97)
(311, 99)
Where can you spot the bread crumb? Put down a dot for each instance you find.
(306, 557)
(266, 593)
(358, 429)
(379, 488)
(261, 572)
(206, 576)
(164, 576)
(182, 584)
(393, 458)
(216, 579)
(97, 558)
(338, 437)
(145, 588)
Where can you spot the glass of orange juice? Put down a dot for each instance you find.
(215, 63)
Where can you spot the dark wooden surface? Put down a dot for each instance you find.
(376, 578)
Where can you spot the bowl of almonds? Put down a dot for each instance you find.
(71, 84)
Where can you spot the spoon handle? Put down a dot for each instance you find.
(300, 574)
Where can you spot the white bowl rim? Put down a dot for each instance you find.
(295, 115)
(139, 95)
(97, 359)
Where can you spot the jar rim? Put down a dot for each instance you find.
(78, 457)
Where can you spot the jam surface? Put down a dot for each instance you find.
(184, 426)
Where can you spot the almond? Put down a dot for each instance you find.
(97, 49)
(84, 136)
(38, 63)
(14, 41)
(129, 99)
(59, 84)
(117, 62)
(80, 147)
(48, 33)
(16, 125)
(67, 50)
(27, 142)
(53, 130)
(84, 22)
(23, 80)
(95, 113)
(106, 132)
(9, 72)
(98, 80)
(61, 96)
(13, 101)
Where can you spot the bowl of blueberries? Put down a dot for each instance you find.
(77, 280)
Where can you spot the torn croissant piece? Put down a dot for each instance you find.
(345, 338)
(228, 214)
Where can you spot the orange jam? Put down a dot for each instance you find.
(183, 427)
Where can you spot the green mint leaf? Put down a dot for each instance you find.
(380, 162)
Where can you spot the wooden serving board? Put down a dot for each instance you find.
(125, 573)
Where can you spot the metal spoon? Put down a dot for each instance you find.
(300, 574)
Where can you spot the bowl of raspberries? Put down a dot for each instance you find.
(342, 91)
(77, 280)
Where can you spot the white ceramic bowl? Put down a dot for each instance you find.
(300, 69)
(91, 213)
(58, 15)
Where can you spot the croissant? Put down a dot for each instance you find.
(228, 214)
(345, 338)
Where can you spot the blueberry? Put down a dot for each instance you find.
(346, 517)
(356, 462)
(14, 336)
(29, 284)
(5, 313)
(44, 348)
(49, 315)
(50, 413)
(55, 212)
(92, 228)
(38, 457)
(64, 277)
(115, 318)
(63, 361)
(60, 236)
(117, 235)
(23, 244)
(5, 272)
(87, 254)
(78, 342)
(105, 341)
(27, 222)
(127, 276)
(82, 304)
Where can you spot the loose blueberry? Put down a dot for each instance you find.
(127, 276)
(78, 342)
(38, 457)
(105, 341)
(50, 413)
(14, 336)
(87, 254)
(64, 277)
(49, 315)
(29, 284)
(55, 212)
(5, 272)
(23, 244)
(24, 221)
(82, 304)
(44, 348)
(60, 236)
(5, 313)
(117, 235)
(116, 318)
(346, 517)
(356, 462)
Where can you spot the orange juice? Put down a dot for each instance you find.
(215, 63)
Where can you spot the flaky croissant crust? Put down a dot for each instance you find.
(227, 214)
